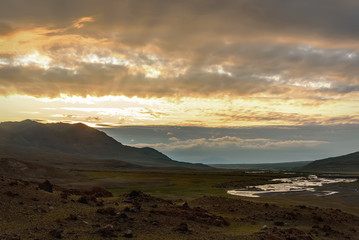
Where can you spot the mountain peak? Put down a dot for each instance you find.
(29, 121)
(70, 140)
(24, 122)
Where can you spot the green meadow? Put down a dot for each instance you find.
(191, 185)
(179, 184)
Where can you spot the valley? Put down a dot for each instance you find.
(53, 187)
(172, 205)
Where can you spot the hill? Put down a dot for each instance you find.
(14, 168)
(77, 146)
(342, 164)
(285, 166)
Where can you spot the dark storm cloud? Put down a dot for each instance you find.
(327, 18)
(236, 47)
(342, 88)
(33, 81)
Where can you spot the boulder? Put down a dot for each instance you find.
(182, 228)
(46, 186)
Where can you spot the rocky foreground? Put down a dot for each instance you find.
(43, 211)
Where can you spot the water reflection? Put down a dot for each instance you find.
(296, 184)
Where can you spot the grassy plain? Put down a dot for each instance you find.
(181, 205)
(180, 184)
(191, 185)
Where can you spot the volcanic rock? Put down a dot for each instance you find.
(46, 186)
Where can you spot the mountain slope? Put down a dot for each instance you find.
(14, 168)
(67, 138)
(347, 163)
(58, 143)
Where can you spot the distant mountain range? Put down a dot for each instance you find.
(285, 166)
(348, 163)
(78, 146)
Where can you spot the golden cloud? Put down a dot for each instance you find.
(283, 60)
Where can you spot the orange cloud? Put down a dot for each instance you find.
(80, 22)
(283, 61)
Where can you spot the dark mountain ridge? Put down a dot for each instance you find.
(348, 163)
(68, 138)
(54, 142)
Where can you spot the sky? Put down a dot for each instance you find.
(206, 64)
(265, 144)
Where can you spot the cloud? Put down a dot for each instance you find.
(231, 142)
(5, 28)
(179, 48)
(276, 118)
(244, 144)
(93, 119)
(274, 62)
(80, 22)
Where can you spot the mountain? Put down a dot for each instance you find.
(76, 146)
(342, 164)
(285, 166)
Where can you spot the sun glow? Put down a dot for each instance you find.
(215, 112)
(93, 78)
(150, 68)
(34, 59)
(218, 69)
